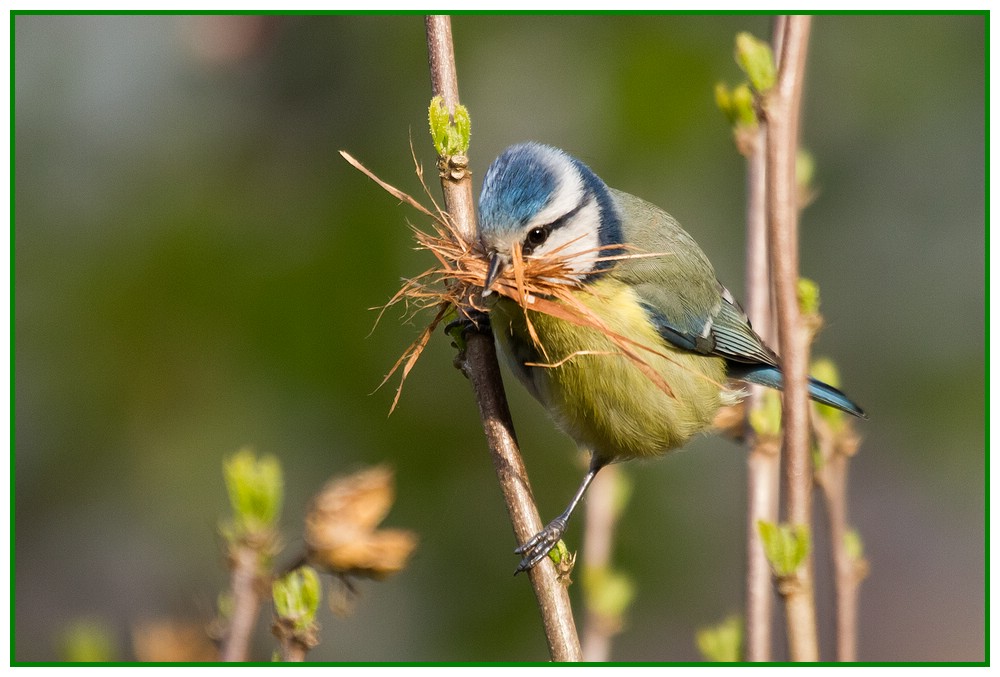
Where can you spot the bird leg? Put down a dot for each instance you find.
(539, 545)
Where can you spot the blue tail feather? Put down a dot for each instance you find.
(771, 377)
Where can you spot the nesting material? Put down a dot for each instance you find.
(546, 285)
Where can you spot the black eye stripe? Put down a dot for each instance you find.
(527, 247)
(562, 220)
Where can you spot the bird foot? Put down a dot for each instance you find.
(540, 544)
(469, 321)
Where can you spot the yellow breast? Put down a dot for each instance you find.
(599, 396)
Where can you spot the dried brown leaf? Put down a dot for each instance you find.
(167, 640)
(377, 554)
(341, 531)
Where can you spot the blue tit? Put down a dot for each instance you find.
(543, 202)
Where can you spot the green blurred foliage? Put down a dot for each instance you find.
(255, 487)
(756, 60)
(88, 640)
(194, 268)
(296, 597)
(723, 642)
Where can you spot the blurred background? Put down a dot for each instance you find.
(195, 268)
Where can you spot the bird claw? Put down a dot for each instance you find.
(539, 545)
(469, 321)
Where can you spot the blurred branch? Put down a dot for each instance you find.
(763, 461)
(781, 108)
(849, 568)
(479, 364)
(245, 582)
(838, 443)
(255, 488)
(607, 593)
(296, 597)
(763, 472)
(742, 106)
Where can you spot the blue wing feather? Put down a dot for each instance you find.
(727, 333)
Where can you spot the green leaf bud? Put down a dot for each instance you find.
(722, 643)
(853, 545)
(766, 419)
(805, 171)
(807, 292)
(255, 490)
(736, 104)
(297, 596)
(608, 593)
(785, 545)
(825, 370)
(756, 59)
(743, 105)
(88, 640)
(450, 133)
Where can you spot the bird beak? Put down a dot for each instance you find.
(497, 264)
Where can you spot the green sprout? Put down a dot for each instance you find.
(756, 59)
(807, 293)
(785, 545)
(608, 593)
(825, 370)
(737, 105)
(853, 545)
(765, 419)
(450, 133)
(296, 598)
(88, 640)
(805, 173)
(722, 643)
(255, 490)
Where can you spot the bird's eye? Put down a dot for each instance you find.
(536, 236)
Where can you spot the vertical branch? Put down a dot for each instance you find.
(444, 83)
(293, 651)
(837, 447)
(479, 364)
(601, 517)
(781, 108)
(763, 462)
(834, 490)
(255, 489)
(245, 587)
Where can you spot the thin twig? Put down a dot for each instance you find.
(293, 646)
(245, 594)
(480, 365)
(781, 107)
(763, 461)
(600, 519)
(293, 652)
(836, 449)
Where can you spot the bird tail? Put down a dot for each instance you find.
(771, 377)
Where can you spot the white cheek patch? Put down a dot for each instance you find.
(566, 196)
(578, 239)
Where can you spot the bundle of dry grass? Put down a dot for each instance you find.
(546, 285)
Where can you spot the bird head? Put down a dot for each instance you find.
(542, 202)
